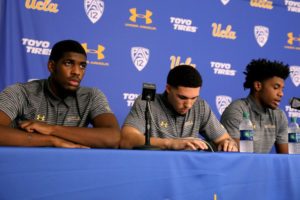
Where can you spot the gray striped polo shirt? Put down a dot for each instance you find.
(270, 126)
(35, 101)
(166, 123)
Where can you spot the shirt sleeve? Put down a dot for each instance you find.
(100, 103)
(136, 116)
(282, 134)
(11, 100)
(211, 125)
(231, 118)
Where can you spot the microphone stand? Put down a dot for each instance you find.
(147, 145)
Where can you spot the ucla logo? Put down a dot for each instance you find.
(262, 4)
(45, 5)
(226, 33)
(261, 34)
(176, 60)
(225, 2)
(222, 102)
(140, 57)
(94, 9)
(295, 75)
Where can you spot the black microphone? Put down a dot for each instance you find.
(149, 90)
(148, 95)
(295, 103)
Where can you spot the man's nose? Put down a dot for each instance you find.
(188, 103)
(280, 93)
(76, 69)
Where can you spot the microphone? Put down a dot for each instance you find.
(148, 93)
(295, 103)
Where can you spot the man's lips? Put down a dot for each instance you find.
(277, 102)
(74, 82)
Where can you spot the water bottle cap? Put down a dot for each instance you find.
(245, 115)
(293, 119)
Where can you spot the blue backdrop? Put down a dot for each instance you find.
(134, 41)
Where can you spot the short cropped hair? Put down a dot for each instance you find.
(263, 69)
(64, 46)
(185, 76)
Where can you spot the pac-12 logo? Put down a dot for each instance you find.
(295, 75)
(261, 34)
(225, 2)
(94, 9)
(140, 57)
(222, 102)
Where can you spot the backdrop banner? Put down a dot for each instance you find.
(130, 42)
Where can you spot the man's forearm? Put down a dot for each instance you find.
(92, 137)
(15, 137)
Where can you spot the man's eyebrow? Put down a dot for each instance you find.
(278, 85)
(185, 97)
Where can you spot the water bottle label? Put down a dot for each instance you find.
(246, 135)
(294, 137)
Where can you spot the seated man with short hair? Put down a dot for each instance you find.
(57, 111)
(178, 116)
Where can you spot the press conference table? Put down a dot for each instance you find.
(54, 173)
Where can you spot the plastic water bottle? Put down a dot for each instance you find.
(246, 134)
(294, 136)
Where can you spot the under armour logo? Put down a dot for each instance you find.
(163, 124)
(99, 51)
(40, 117)
(135, 15)
(291, 38)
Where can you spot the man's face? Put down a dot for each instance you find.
(68, 71)
(270, 92)
(182, 98)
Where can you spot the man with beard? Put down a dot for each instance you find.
(265, 79)
(57, 111)
(177, 117)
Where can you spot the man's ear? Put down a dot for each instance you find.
(51, 66)
(168, 88)
(257, 85)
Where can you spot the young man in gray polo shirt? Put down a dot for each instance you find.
(177, 117)
(56, 111)
(265, 79)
